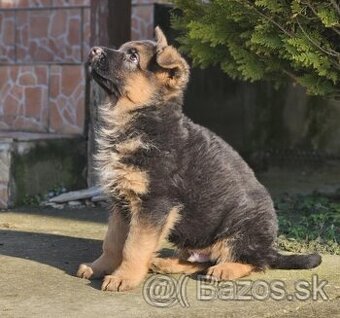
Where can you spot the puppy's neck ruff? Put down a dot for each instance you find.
(130, 135)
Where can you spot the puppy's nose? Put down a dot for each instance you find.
(95, 53)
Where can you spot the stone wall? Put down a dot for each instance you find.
(142, 18)
(43, 46)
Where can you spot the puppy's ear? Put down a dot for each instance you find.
(161, 40)
(176, 69)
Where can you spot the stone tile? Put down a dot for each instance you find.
(24, 3)
(34, 101)
(65, 3)
(58, 22)
(67, 99)
(137, 2)
(26, 136)
(7, 37)
(142, 22)
(74, 32)
(49, 36)
(24, 97)
(86, 33)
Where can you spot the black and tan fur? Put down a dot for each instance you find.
(168, 177)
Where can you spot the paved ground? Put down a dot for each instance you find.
(41, 249)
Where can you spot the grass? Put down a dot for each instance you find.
(309, 223)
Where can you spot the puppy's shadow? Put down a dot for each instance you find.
(59, 251)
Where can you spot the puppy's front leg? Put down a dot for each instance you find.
(141, 242)
(112, 249)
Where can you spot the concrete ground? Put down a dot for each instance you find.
(40, 250)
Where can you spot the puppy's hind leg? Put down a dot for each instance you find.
(112, 250)
(230, 270)
(175, 265)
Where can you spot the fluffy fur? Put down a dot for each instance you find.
(169, 177)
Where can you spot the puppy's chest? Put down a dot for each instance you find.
(119, 176)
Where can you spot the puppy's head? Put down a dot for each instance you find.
(142, 72)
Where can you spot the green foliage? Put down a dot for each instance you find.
(309, 223)
(36, 200)
(32, 200)
(272, 40)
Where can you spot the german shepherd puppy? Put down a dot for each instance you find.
(170, 178)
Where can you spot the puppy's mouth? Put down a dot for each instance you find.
(107, 84)
(100, 71)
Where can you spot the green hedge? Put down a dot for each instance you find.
(274, 40)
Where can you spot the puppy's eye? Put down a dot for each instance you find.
(133, 57)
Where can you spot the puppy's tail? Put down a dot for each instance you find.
(279, 261)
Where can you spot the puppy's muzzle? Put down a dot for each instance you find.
(96, 54)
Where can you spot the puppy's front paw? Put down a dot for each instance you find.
(84, 271)
(117, 282)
